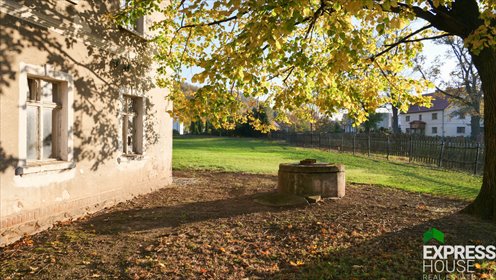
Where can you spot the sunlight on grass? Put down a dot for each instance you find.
(262, 156)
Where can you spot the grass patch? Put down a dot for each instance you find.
(262, 156)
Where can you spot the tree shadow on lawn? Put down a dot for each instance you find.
(393, 255)
(145, 219)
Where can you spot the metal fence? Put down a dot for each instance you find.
(449, 153)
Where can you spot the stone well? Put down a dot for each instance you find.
(309, 178)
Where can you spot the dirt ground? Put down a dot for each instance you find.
(207, 226)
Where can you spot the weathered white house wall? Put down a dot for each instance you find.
(98, 149)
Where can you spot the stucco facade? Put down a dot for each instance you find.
(103, 130)
(440, 119)
(444, 124)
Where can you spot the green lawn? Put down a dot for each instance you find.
(262, 156)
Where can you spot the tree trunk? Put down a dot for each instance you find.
(475, 126)
(484, 205)
(396, 126)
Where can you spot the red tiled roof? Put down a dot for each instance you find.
(439, 102)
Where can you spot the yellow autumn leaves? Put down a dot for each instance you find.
(294, 55)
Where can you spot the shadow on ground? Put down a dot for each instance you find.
(394, 255)
(208, 227)
(145, 219)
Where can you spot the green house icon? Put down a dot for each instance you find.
(435, 234)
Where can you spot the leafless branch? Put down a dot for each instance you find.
(441, 90)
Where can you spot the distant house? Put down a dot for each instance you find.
(438, 120)
(178, 126)
(385, 122)
(387, 119)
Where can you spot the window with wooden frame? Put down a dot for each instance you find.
(46, 120)
(138, 25)
(43, 106)
(132, 125)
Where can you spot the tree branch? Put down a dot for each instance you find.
(215, 22)
(443, 91)
(289, 74)
(319, 12)
(391, 46)
(443, 19)
(386, 76)
(420, 39)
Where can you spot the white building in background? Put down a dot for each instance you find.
(178, 126)
(385, 123)
(438, 120)
(387, 118)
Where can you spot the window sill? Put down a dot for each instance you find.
(39, 167)
(135, 33)
(130, 157)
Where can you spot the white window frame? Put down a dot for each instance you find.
(41, 105)
(140, 130)
(434, 116)
(64, 139)
(139, 28)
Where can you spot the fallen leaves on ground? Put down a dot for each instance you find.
(207, 226)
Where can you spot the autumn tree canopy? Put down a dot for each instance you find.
(331, 54)
(325, 54)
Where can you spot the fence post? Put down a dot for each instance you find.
(354, 136)
(330, 143)
(440, 162)
(476, 158)
(368, 145)
(342, 142)
(320, 136)
(387, 147)
(410, 148)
